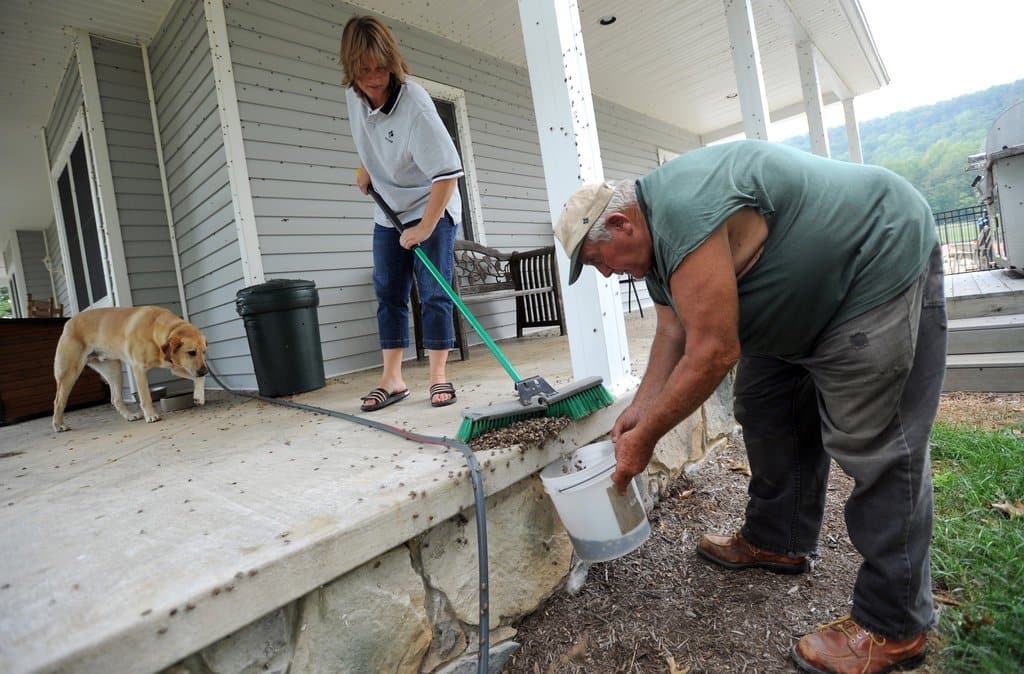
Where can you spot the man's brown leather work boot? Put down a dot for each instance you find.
(844, 647)
(734, 552)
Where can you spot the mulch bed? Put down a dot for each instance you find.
(664, 609)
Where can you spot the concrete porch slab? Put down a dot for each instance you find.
(129, 545)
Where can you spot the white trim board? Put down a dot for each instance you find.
(112, 252)
(457, 97)
(234, 149)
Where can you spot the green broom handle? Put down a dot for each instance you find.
(449, 291)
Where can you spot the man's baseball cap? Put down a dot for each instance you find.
(581, 212)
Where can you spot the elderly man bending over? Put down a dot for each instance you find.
(823, 281)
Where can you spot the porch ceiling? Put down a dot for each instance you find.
(666, 58)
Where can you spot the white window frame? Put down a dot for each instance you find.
(457, 97)
(61, 162)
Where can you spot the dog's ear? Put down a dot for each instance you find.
(172, 345)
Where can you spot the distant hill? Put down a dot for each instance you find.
(929, 145)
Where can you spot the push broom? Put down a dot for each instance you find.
(536, 396)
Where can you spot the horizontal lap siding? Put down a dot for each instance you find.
(65, 108)
(313, 224)
(56, 262)
(136, 173)
(32, 247)
(312, 221)
(629, 146)
(197, 181)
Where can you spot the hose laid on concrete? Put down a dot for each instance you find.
(475, 476)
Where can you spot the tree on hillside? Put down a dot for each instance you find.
(929, 145)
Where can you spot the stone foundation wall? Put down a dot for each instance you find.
(414, 608)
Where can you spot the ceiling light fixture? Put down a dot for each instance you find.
(607, 20)
(731, 96)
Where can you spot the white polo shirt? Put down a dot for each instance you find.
(405, 148)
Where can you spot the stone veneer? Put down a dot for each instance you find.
(414, 608)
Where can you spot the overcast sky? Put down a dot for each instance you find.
(934, 50)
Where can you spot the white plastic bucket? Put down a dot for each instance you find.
(601, 523)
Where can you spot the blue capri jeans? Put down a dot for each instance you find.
(393, 269)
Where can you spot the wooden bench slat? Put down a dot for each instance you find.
(485, 274)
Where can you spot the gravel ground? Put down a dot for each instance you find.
(664, 609)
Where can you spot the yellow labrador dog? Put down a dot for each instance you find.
(143, 337)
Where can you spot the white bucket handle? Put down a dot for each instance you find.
(592, 477)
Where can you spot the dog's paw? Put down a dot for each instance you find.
(150, 418)
(199, 401)
(60, 428)
(132, 416)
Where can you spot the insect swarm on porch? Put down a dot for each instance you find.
(537, 398)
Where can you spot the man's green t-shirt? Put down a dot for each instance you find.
(842, 238)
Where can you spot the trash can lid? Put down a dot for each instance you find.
(276, 295)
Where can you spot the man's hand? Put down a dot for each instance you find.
(629, 418)
(633, 451)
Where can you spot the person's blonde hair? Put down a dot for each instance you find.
(367, 36)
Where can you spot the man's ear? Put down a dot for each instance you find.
(619, 221)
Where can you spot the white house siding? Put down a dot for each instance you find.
(197, 181)
(35, 279)
(60, 283)
(629, 149)
(66, 105)
(133, 161)
(312, 221)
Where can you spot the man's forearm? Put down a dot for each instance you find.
(667, 348)
(685, 389)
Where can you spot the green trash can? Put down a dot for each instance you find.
(284, 335)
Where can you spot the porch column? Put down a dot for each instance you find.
(852, 132)
(746, 61)
(812, 97)
(234, 149)
(108, 221)
(560, 85)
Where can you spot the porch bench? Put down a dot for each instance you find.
(484, 274)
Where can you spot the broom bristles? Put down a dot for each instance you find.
(576, 406)
(474, 428)
(582, 404)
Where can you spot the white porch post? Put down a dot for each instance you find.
(811, 86)
(231, 128)
(746, 61)
(560, 85)
(108, 219)
(852, 132)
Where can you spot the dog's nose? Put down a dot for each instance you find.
(201, 372)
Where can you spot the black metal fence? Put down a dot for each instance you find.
(969, 241)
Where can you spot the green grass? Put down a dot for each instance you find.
(977, 551)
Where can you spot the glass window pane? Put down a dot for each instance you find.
(446, 110)
(67, 209)
(90, 233)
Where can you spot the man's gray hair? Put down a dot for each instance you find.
(623, 196)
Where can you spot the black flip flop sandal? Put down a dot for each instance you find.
(381, 398)
(438, 389)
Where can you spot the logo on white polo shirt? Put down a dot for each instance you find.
(390, 136)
